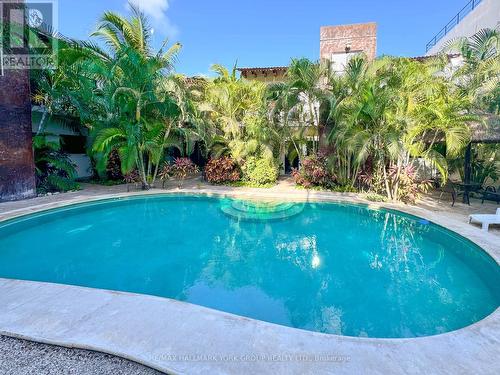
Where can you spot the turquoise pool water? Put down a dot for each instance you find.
(334, 268)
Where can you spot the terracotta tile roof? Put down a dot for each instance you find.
(266, 69)
(423, 58)
(487, 131)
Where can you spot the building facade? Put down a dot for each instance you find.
(337, 44)
(71, 135)
(474, 16)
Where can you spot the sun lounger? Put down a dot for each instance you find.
(486, 219)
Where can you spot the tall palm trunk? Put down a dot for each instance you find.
(142, 171)
(165, 137)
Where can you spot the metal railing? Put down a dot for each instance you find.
(471, 5)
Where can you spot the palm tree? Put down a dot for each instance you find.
(294, 106)
(282, 101)
(389, 111)
(478, 78)
(479, 75)
(235, 109)
(131, 110)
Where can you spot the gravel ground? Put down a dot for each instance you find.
(21, 357)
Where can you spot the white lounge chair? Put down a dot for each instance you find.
(486, 219)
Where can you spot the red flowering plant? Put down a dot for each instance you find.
(222, 170)
(132, 177)
(180, 169)
(405, 185)
(183, 167)
(314, 172)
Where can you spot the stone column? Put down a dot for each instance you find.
(17, 170)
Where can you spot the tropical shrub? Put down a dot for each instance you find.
(402, 182)
(264, 173)
(484, 170)
(54, 171)
(405, 185)
(374, 197)
(113, 167)
(221, 170)
(247, 167)
(132, 177)
(314, 172)
(165, 173)
(182, 168)
(260, 171)
(485, 164)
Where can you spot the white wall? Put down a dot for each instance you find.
(82, 161)
(485, 15)
(339, 61)
(83, 166)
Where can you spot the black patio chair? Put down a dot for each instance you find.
(491, 194)
(449, 188)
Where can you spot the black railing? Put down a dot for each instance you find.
(471, 5)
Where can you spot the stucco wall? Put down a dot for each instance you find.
(486, 15)
(82, 161)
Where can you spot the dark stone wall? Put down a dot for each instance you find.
(17, 171)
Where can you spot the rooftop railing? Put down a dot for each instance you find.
(471, 5)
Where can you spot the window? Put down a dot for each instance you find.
(73, 144)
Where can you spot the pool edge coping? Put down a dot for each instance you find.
(490, 323)
(466, 335)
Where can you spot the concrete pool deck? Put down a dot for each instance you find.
(179, 337)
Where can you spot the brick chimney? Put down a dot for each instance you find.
(348, 39)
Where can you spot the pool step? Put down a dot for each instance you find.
(260, 211)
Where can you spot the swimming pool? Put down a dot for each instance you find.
(327, 267)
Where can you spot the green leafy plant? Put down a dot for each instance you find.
(260, 171)
(54, 170)
(484, 170)
(374, 197)
(485, 164)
